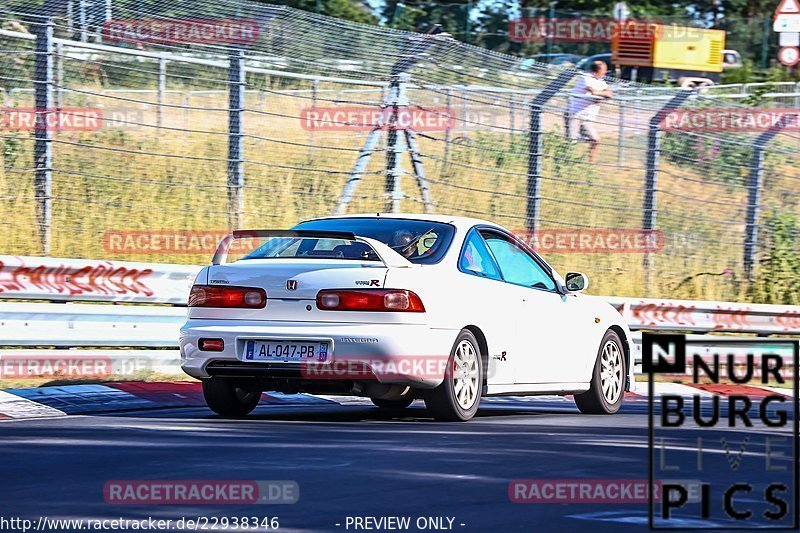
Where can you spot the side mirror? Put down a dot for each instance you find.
(576, 282)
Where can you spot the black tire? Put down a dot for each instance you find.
(595, 401)
(443, 402)
(225, 398)
(393, 405)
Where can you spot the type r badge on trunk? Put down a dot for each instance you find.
(291, 284)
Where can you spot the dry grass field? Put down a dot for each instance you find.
(132, 178)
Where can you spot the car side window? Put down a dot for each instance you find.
(516, 265)
(475, 258)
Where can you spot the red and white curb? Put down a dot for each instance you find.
(48, 402)
(13, 406)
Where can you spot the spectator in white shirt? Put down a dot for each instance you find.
(584, 105)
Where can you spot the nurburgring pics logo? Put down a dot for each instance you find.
(731, 424)
(177, 31)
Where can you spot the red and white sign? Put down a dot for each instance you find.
(789, 55)
(46, 278)
(787, 17)
(788, 6)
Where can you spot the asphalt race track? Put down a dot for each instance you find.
(349, 460)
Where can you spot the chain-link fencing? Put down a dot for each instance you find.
(148, 134)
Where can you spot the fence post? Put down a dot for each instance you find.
(82, 20)
(314, 97)
(448, 132)
(236, 85)
(535, 146)
(43, 145)
(651, 173)
(512, 123)
(59, 66)
(185, 102)
(621, 130)
(754, 197)
(162, 87)
(394, 142)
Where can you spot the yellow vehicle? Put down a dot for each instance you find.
(658, 52)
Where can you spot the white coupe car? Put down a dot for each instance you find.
(395, 308)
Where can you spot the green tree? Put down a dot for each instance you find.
(353, 10)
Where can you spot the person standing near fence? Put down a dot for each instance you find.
(584, 106)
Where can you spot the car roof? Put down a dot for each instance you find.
(459, 222)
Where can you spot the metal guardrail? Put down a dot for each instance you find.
(706, 317)
(46, 278)
(104, 324)
(81, 325)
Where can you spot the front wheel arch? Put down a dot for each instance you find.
(483, 346)
(626, 348)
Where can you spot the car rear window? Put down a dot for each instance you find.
(419, 241)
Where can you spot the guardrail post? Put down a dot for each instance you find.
(162, 87)
(651, 176)
(754, 197)
(535, 146)
(236, 85)
(797, 95)
(43, 145)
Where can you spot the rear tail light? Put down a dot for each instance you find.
(369, 300)
(238, 297)
(211, 345)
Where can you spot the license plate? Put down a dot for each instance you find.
(281, 350)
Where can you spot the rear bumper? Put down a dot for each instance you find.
(406, 354)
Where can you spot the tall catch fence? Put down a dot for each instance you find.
(149, 134)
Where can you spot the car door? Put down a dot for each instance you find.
(491, 304)
(548, 347)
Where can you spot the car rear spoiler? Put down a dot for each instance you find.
(388, 257)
